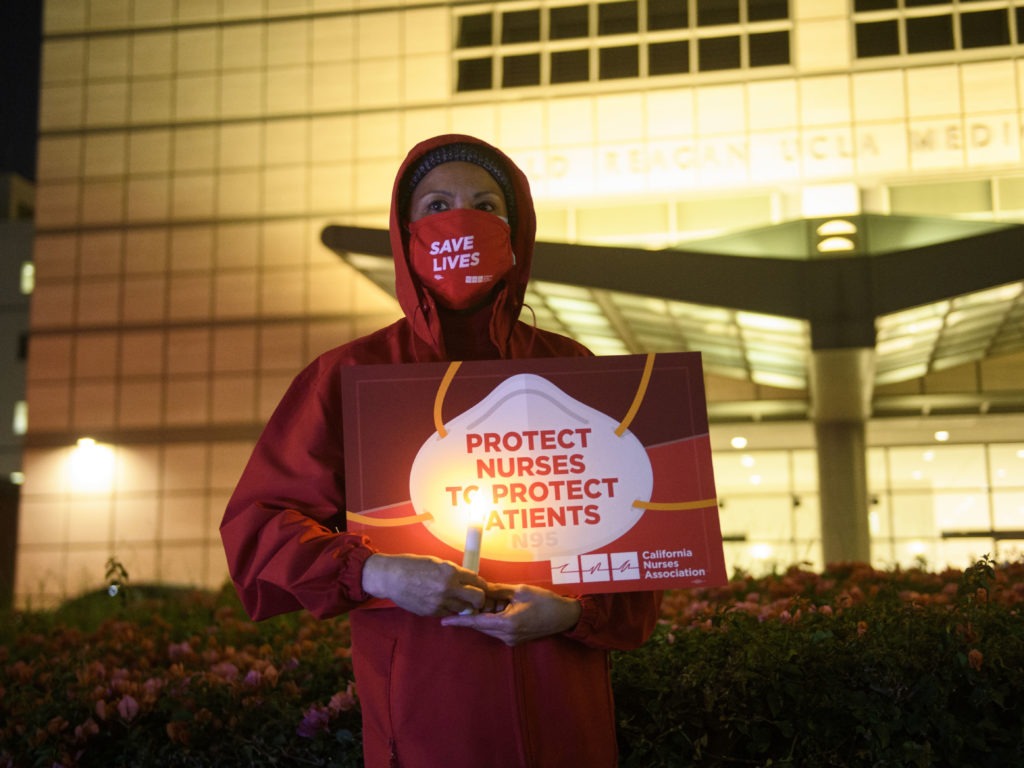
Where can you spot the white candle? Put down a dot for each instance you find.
(471, 552)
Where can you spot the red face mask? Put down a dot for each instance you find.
(460, 255)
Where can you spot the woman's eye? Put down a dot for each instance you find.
(486, 206)
(435, 206)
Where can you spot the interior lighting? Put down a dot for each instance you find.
(92, 466)
(739, 443)
(942, 436)
(761, 551)
(755, 479)
(17, 478)
(836, 245)
(747, 460)
(834, 227)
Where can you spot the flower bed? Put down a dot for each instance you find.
(852, 667)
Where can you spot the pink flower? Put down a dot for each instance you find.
(314, 723)
(225, 669)
(179, 651)
(127, 708)
(342, 701)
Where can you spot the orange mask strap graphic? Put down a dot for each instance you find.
(442, 390)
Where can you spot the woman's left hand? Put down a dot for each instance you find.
(529, 613)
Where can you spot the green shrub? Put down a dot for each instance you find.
(851, 667)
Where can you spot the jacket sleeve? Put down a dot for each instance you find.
(621, 621)
(278, 531)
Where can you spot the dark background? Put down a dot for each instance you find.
(20, 34)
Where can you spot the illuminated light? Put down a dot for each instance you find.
(19, 423)
(28, 278)
(739, 443)
(17, 478)
(834, 227)
(917, 474)
(755, 479)
(942, 436)
(821, 200)
(92, 466)
(917, 548)
(874, 523)
(1020, 453)
(761, 551)
(748, 461)
(928, 456)
(836, 245)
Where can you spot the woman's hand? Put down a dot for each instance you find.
(530, 613)
(426, 586)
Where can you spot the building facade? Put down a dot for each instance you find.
(192, 153)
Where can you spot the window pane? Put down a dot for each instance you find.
(570, 21)
(667, 14)
(878, 38)
(718, 53)
(475, 74)
(520, 70)
(520, 26)
(873, 5)
(621, 61)
(711, 12)
(929, 33)
(767, 10)
(616, 18)
(474, 31)
(570, 66)
(669, 58)
(769, 49)
(913, 3)
(980, 30)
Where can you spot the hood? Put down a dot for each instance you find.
(416, 302)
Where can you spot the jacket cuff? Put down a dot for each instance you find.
(588, 618)
(351, 573)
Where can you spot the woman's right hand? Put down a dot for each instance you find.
(426, 586)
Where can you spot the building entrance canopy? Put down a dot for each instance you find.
(923, 294)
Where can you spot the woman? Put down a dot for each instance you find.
(521, 677)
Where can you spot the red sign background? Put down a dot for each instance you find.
(391, 411)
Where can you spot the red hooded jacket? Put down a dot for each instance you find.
(430, 695)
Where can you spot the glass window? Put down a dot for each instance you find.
(620, 61)
(474, 74)
(716, 53)
(915, 3)
(929, 33)
(878, 38)
(520, 70)
(873, 5)
(570, 66)
(669, 58)
(767, 10)
(568, 22)
(713, 12)
(520, 26)
(667, 14)
(985, 28)
(769, 49)
(617, 18)
(474, 30)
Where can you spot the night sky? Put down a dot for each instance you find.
(20, 32)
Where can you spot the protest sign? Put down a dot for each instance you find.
(587, 474)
